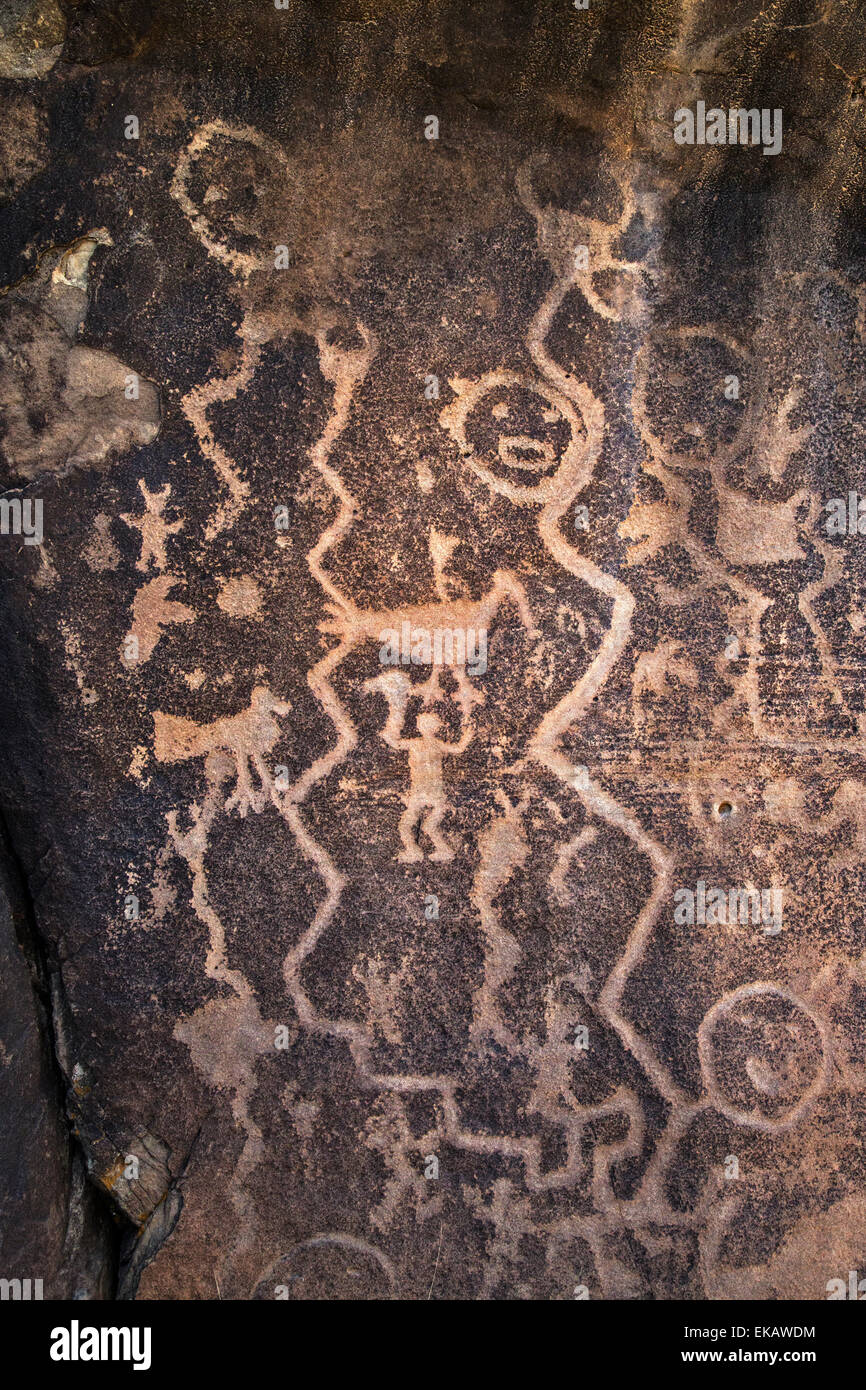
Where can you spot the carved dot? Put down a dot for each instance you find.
(724, 810)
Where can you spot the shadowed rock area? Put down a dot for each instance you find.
(433, 603)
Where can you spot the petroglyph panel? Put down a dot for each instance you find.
(451, 853)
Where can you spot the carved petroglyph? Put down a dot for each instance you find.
(502, 839)
(749, 533)
(546, 471)
(196, 404)
(152, 611)
(223, 167)
(502, 848)
(786, 803)
(580, 248)
(246, 737)
(521, 455)
(388, 1134)
(533, 434)
(597, 802)
(565, 857)
(237, 778)
(425, 799)
(221, 148)
(226, 1036)
(659, 672)
(155, 530)
(776, 1056)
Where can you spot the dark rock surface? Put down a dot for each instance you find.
(379, 980)
(53, 1228)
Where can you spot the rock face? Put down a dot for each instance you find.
(53, 1229)
(433, 614)
(31, 37)
(65, 405)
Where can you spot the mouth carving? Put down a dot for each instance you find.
(522, 451)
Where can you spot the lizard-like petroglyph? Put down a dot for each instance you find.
(152, 610)
(155, 530)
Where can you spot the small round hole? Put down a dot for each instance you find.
(724, 810)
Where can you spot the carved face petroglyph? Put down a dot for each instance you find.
(764, 1056)
(521, 436)
(520, 427)
(221, 182)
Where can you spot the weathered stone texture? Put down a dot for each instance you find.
(51, 1228)
(396, 977)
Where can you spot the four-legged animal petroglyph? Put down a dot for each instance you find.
(246, 737)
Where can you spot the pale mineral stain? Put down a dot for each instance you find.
(101, 553)
(240, 597)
